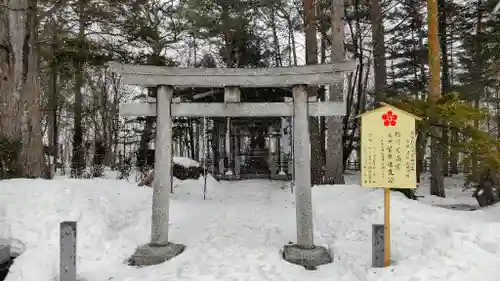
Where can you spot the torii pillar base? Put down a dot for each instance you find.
(310, 259)
(152, 254)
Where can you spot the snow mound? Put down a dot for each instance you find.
(186, 189)
(428, 242)
(237, 232)
(185, 162)
(111, 216)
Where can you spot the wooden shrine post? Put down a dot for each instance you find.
(388, 156)
(161, 249)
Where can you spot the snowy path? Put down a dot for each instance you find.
(236, 234)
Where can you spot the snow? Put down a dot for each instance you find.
(236, 234)
(456, 197)
(185, 162)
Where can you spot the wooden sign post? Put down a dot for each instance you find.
(388, 156)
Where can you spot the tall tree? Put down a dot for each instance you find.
(310, 27)
(335, 147)
(378, 42)
(445, 76)
(409, 60)
(78, 163)
(153, 25)
(53, 100)
(31, 128)
(19, 86)
(405, 45)
(10, 67)
(437, 185)
(476, 55)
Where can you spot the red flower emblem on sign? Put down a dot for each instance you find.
(389, 118)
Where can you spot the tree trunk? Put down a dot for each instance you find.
(97, 151)
(114, 120)
(78, 160)
(106, 117)
(445, 78)
(277, 50)
(20, 118)
(290, 37)
(147, 133)
(454, 154)
(498, 116)
(477, 69)
(146, 137)
(195, 141)
(6, 73)
(53, 104)
(116, 136)
(312, 58)
(437, 186)
(31, 156)
(12, 33)
(421, 148)
(335, 143)
(322, 94)
(379, 61)
(215, 154)
(474, 165)
(292, 40)
(445, 151)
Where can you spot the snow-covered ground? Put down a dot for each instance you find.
(185, 162)
(236, 234)
(456, 197)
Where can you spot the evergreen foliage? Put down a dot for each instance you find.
(459, 116)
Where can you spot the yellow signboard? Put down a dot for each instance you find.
(388, 148)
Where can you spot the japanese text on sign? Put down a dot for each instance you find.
(388, 149)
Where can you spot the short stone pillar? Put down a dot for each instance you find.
(67, 248)
(378, 245)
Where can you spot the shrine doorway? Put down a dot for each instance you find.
(256, 146)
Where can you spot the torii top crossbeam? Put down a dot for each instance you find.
(147, 76)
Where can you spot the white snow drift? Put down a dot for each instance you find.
(236, 234)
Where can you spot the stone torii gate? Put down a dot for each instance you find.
(160, 248)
